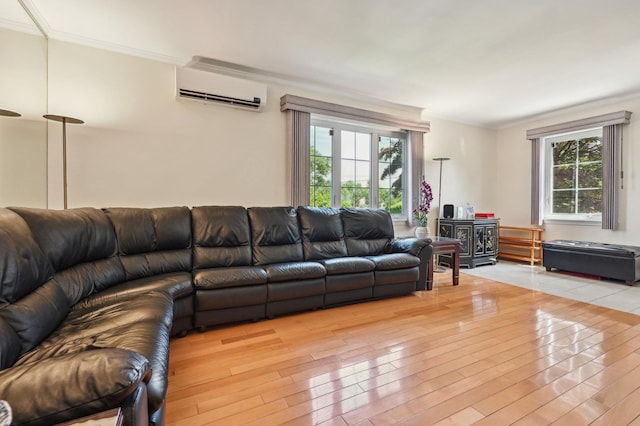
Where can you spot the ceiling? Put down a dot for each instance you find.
(490, 63)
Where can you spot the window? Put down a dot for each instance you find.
(610, 126)
(344, 159)
(573, 181)
(396, 190)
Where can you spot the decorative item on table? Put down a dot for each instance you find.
(469, 212)
(421, 212)
(485, 215)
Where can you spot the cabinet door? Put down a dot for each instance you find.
(465, 235)
(479, 240)
(491, 239)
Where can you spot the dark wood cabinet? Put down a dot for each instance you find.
(478, 240)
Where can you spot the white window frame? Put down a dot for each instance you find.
(376, 132)
(546, 195)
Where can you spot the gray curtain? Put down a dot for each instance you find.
(299, 138)
(416, 140)
(536, 217)
(610, 137)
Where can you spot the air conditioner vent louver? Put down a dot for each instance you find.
(207, 87)
(255, 103)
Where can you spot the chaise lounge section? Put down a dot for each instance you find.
(89, 298)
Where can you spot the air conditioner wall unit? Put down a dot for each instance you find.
(211, 88)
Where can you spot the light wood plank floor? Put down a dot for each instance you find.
(481, 353)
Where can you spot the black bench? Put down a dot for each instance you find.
(614, 261)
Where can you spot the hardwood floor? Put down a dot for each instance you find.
(481, 353)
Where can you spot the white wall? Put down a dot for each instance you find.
(141, 147)
(514, 173)
(23, 140)
(470, 175)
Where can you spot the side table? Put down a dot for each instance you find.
(443, 245)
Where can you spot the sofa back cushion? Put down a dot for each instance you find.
(221, 236)
(70, 237)
(23, 265)
(81, 246)
(275, 236)
(152, 241)
(367, 231)
(322, 233)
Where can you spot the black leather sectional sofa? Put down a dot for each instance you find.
(89, 298)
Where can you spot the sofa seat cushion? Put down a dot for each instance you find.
(236, 276)
(139, 323)
(72, 386)
(347, 265)
(176, 284)
(388, 262)
(294, 271)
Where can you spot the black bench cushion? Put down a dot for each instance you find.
(590, 247)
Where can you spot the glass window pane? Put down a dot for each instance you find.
(320, 170)
(564, 152)
(348, 144)
(348, 172)
(590, 175)
(363, 171)
(320, 163)
(349, 197)
(390, 201)
(590, 201)
(321, 196)
(564, 202)
(391, 156)
(590, 149)
(363, 146)
(323, 141)
(362, 197)
(384, 180)
(564, 177)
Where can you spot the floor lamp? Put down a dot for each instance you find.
(64, 120)
(7, 113)
(439, 268)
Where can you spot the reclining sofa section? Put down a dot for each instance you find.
(89, 298)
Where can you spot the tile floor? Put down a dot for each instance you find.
(608, 293)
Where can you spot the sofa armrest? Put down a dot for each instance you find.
(419, 247)
(72, 386)
(411, 245)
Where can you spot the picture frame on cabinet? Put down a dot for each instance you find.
(469, 212)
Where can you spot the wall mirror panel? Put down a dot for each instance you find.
(23, 89)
